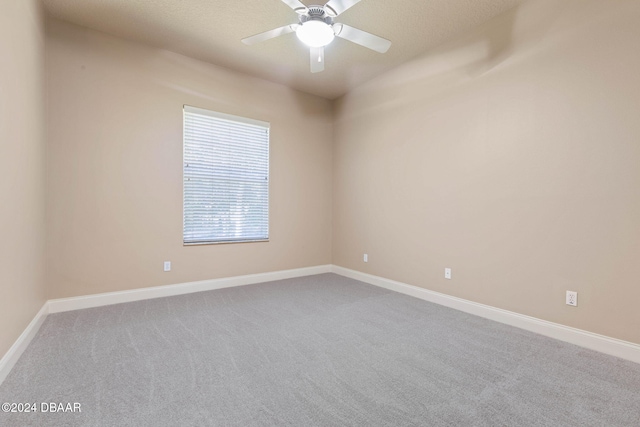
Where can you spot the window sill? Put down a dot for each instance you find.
(224, 242)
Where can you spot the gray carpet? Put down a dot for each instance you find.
(315, 351)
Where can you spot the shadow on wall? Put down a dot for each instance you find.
(498, 44)
(467, 58)
(500, 35)
(218, 88)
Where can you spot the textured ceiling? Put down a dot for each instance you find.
(211, 30)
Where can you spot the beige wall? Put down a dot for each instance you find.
(22, 153)
(512, 156)
(115, 166)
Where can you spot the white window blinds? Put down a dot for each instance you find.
(226, 178)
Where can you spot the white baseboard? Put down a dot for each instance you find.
(97, 300)
(109, 298)
(11, 357)
(601, 343)
(614, 347)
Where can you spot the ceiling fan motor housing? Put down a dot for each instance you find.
(316, 13)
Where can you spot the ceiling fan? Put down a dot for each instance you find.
(316, 28)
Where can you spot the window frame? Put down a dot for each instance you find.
(238, 119)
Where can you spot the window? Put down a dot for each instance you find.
(226, 178)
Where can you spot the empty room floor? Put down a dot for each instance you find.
(320, 350)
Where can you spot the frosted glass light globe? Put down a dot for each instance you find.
(315, 33)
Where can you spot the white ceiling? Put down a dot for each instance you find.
(211, 30)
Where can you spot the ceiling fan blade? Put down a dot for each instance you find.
(297, 6)
(336, 7)
(362, 38)
(270, 34)
(317, 59)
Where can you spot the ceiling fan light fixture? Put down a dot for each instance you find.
(315, 33)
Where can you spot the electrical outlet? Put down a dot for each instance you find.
(447, 273)
(167, 266)
(365, 258)
(572, 298)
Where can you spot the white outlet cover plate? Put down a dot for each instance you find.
(572, 298)
(447, 273)
(365, 258)
(167, 266)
